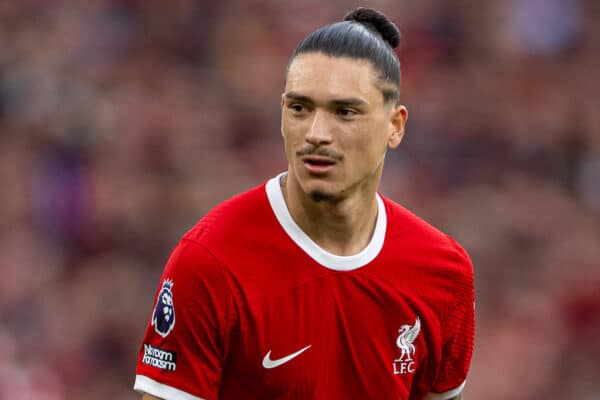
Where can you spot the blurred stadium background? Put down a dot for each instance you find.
(123, 121)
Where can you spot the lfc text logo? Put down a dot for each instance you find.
(405, 364)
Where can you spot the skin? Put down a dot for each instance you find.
(336, 208)
(333, 111)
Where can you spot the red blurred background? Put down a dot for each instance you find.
(123, 121)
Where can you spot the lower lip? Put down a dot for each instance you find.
(318, 169)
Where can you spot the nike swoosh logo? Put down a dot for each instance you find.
(268, 363)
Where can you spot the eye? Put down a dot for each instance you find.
(346, 113)
(296, 107)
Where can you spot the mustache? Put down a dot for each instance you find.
(310, 150)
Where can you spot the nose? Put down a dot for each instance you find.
(319, 132)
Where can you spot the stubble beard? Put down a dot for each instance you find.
(318, 196)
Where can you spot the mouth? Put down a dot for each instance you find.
(318, 165)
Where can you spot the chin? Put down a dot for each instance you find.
(319, 195)
(318, 189)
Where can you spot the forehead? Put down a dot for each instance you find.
(323, 78)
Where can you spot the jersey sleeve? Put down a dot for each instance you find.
(458, 333)
(185, 343)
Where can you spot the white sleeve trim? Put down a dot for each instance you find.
(143, 384)
(446, 395)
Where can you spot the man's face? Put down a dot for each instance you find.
(335, 125)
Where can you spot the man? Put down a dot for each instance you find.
(313, 286)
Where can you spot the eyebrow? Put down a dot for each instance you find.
(351, 101)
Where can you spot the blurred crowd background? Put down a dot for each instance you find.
(123, 121)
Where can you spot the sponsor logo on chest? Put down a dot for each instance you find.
(405, 363)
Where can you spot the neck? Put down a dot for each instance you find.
(342, 226)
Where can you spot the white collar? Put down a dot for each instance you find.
(323, 257)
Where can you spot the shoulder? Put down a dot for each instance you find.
(231, 217)
(402, 222)
(239, 230)
(420, 239)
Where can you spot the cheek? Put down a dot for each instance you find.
(368, 144)
(288, 137)
(289, 141)
(286, 127)
(292, 131)
(367, 136)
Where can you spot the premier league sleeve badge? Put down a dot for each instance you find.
(163, 317)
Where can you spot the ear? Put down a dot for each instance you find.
(282, 99)
(397, 124)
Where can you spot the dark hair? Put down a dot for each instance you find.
(363, 34)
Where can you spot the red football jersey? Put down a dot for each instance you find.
(249, 307)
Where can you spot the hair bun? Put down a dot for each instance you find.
(379, 22)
